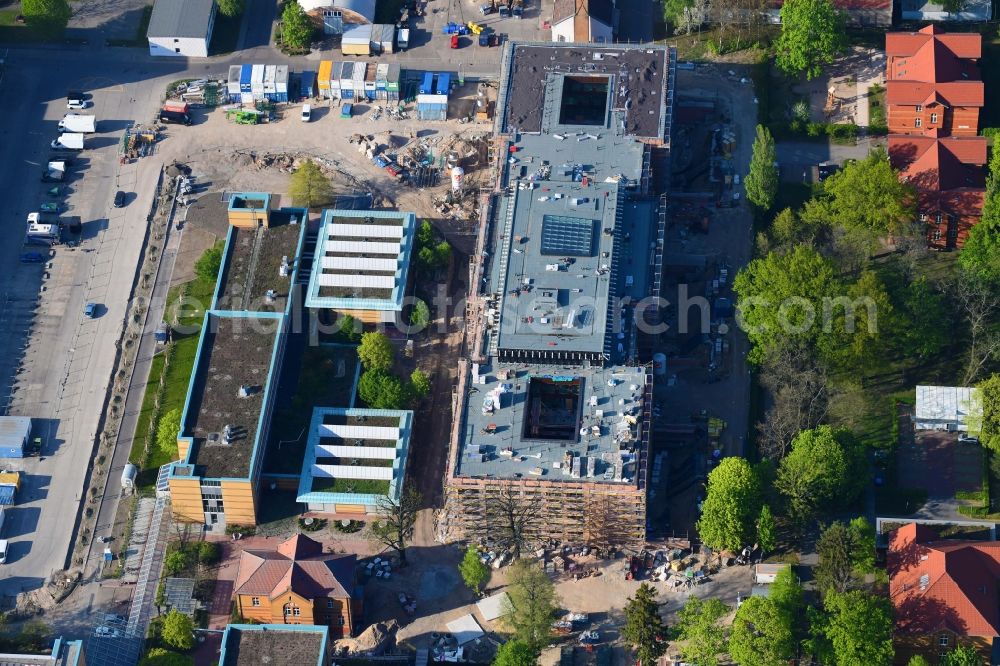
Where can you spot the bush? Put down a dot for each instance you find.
(815, 129)
(351, 527)
(312, 524)
(209, 552)
(843, 133)
(176, 562)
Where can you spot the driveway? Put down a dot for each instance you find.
(798, 157)
(939, 464)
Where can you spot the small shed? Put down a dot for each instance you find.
(14, 434)
(765, 574)
(357, 40)
(944, 408)
(181, 28)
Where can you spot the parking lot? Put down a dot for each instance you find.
(55, 362)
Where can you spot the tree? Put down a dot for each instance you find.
(167, 431)
(980, 256)
(530, 607)
(963, 655)
(868, 196)
(230, 8)
(781, 299)
(420, 384)
(732, 504)
(473, 571)
(812, 35)
(376, 351)
(158, 656)
(918, 660)
(178, 630)
(978, 301)
(208, 264)
(420, 315)
(349, 330)
(209, 552)
(309, 186)
(514, 653)
(923, 309)
(49, 14)
(698, 625)
(857, 628)
(396, 520)
(762, 179)
(798, 388)
(984, 412)
(846, 552)
(761, 634)
(176, 562)
(296, 30)
(644, 629)
(824, 470)
(380, 390)
(432, 255)
(511, 519)
(786, 591)
(160, 600)
(766, 537)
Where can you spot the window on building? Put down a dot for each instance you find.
(255, 601)
(917, 122)
(919, 108)
(340, 621)
(933, 118)
(943, 640)
(296, 611)
(329, 603)
(936, 235)
(177, 41)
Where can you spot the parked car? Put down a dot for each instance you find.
(968, 439)
(119, 199)
(487, 9)
(306, 113)
(90, 310)
(76, 100)
(454, 41)
(107, 632)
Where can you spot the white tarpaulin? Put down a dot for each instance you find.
(465, 629)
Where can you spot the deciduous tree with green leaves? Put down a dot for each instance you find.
(474, 572)
(297, 28)
(515, 653)
(420, 315)
(761, 634)
(167, 431)
(644, 629)
(823, 471)
(376, 351)
(420, 384)
(731, 507)
(869, 197)
(208, 264)
(530, 607)
(918, 660)
(766, 530)
(698, 626)
(812, 35)
(178, 630)
(309, 186)
(855, 628)
(762, 178)
(47, 14)
(962, 655)
(158, 656)
(984, 412)
(230, 7)
(980, 256)
(380, 390)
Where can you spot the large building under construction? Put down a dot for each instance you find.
(552, 407)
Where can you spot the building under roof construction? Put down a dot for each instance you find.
(553, 406)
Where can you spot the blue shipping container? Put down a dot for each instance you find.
(7, 495)
(427, 85)
(443, 83)
(346, 94)
(12, 452)
(245, 75)
(308, 84)
(235, 98)
(370, 94)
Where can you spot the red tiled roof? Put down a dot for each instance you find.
(961, 44)
(939, 164)
(951, 94)
(299, 565)
(943, 584)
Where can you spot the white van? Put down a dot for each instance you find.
(3, 551)
(306, 113)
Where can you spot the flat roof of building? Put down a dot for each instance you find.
(228, 388)
(555, 423)
(273, 645)
(14, 431)
(354, 456)
(362, 260)
(180, 18)
(638, 85)
(253, 263)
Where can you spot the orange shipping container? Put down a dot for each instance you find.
(324, 74)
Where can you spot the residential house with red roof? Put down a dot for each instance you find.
(945, 593)
(934, 94)
(297, 583)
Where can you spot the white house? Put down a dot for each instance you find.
(339, 15)
(583, 21)
(944, 408)
(181, 28)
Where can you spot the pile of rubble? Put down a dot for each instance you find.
(374, 640)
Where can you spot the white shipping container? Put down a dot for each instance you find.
(338, 67)
(436, 100)
(347, 76)
(233, 83)
(281, 79)
(359, 75)
(388, 38)
(269, 74)
(381, 73)
(257, 79)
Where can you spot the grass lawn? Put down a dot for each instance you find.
(12, 31)
(876, 109)
(225, 34)
(184, 348)
(360, 486)
(140, 32)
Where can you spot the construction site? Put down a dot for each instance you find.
(553, 404)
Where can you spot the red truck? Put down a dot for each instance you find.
(177, 107)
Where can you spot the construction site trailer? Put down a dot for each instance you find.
(347, 80)
(14, 434)
(357, 41)
(338, 67)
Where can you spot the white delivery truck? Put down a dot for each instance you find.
(69, 141)
(402, 38)
(78, 122)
